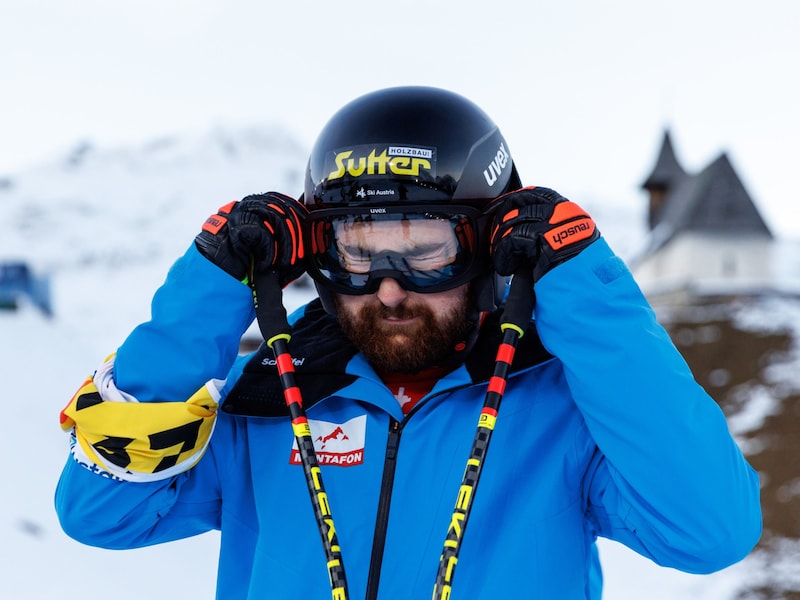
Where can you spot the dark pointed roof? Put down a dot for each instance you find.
(714, 200)
(667, 170)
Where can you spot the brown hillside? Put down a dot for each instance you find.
(753, 375)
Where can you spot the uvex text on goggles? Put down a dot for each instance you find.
(424, 248)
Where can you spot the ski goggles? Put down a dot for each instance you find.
(423, 249)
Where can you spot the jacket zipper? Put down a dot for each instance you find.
(385, 498)
(384, 502)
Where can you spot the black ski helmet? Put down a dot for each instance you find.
(409, 144)
(420, 147)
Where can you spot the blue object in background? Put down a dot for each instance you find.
(18, 283)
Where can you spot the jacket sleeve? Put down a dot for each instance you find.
(100, 510)
(197, 319)
(667, 480)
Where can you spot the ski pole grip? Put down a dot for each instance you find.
(268, 303)
(519, 305)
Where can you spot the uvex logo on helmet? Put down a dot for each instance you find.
(380, 160)
(495, 168)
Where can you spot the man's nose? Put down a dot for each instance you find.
(390, 293)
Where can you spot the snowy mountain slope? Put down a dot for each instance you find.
(106, 225)
(126, 206)
(122, 216)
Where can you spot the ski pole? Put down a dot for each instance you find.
(272, 321)
(515, 319)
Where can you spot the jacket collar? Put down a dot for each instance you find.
(326, 363)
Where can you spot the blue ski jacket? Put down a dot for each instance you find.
(602, 432)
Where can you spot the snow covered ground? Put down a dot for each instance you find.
(106, 227)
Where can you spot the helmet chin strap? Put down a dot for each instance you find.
(463, 347)
(489, 290)
(326, 297)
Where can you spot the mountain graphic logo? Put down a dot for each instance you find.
(336, 444)
(337, 434)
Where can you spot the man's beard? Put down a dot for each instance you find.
(427, 343)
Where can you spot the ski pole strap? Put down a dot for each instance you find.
(268, 303)
(519, 305)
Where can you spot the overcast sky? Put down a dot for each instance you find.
(582, 90)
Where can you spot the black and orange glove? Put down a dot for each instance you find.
(256, 232)
(537, 227)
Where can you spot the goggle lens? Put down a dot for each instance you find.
(423, 250)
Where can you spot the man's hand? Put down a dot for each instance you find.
(538, 228)
(259, 231)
